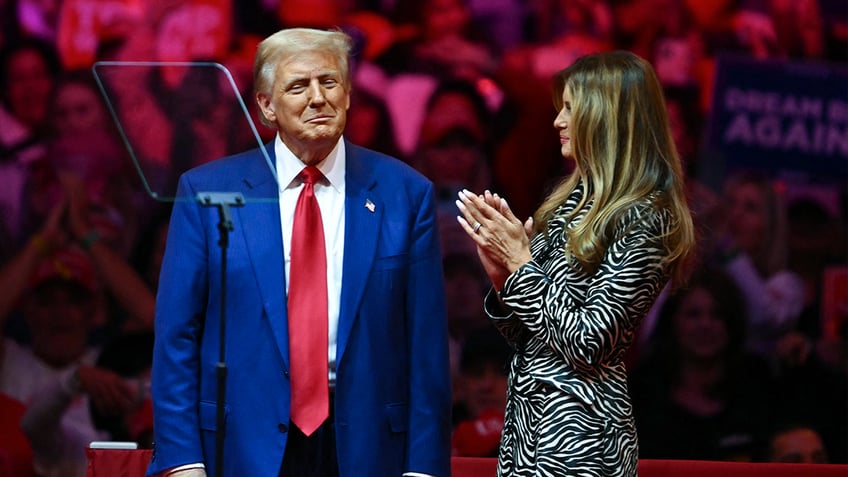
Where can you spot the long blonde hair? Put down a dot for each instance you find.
(772, 254)
(623, 151)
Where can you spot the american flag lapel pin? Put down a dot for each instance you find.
(369, 205)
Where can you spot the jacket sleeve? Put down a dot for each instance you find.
(428, 445)
(590, 332)
(180, 311)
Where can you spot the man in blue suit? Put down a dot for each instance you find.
(387, 377)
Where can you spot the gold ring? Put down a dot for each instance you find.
(477, 226)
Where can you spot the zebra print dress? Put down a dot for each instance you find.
(568, 411)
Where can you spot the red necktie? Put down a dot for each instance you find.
(307, 303)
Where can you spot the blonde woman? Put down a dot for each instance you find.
(753, 248)
(571, 284)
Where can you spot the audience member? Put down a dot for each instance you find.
(67, 271)
(698, 394)
(370, 124)
(812, 390)
(796, 444)
(59, 307)
(202, 114)
(752, 245)
(817, 239)
(130, 356)
(446, 44)
(28, 71)
(455, 141)
(557, 19)
(453, 151)
(85, 144)
(799, 28)
(77, 107)
(124, 302)
(465, 285)
(675, 46)
(481, 391)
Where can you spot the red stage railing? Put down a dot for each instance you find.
(133, 463)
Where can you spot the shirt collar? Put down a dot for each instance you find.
(289, 166)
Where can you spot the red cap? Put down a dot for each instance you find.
(67, 264)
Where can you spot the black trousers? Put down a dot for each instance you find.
(311, 456)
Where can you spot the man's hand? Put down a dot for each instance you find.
(110, 393)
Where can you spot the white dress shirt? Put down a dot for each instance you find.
(330, 194)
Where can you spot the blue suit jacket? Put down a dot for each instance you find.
(392, 398)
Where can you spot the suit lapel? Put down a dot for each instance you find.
(261, 229)
(363, 214)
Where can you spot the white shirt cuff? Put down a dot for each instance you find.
(181, 468)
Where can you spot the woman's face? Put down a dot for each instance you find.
(78, 110)
(562, 123)
(701, 332)
(746, 217)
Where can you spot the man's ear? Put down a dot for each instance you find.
(266, 106)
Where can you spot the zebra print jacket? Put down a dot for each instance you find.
(570, 329)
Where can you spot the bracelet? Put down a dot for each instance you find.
(89, 239)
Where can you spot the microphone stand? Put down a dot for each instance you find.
(223, 201)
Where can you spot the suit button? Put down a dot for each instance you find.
(282, 428)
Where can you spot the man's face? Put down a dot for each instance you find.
(29, 87)
(59, 318)
(798, 446)
(485, 387)
(308, 103)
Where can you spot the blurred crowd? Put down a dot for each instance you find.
(748, 362)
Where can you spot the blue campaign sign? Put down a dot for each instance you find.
(782, 117)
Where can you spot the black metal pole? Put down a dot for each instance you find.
(223, 201)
